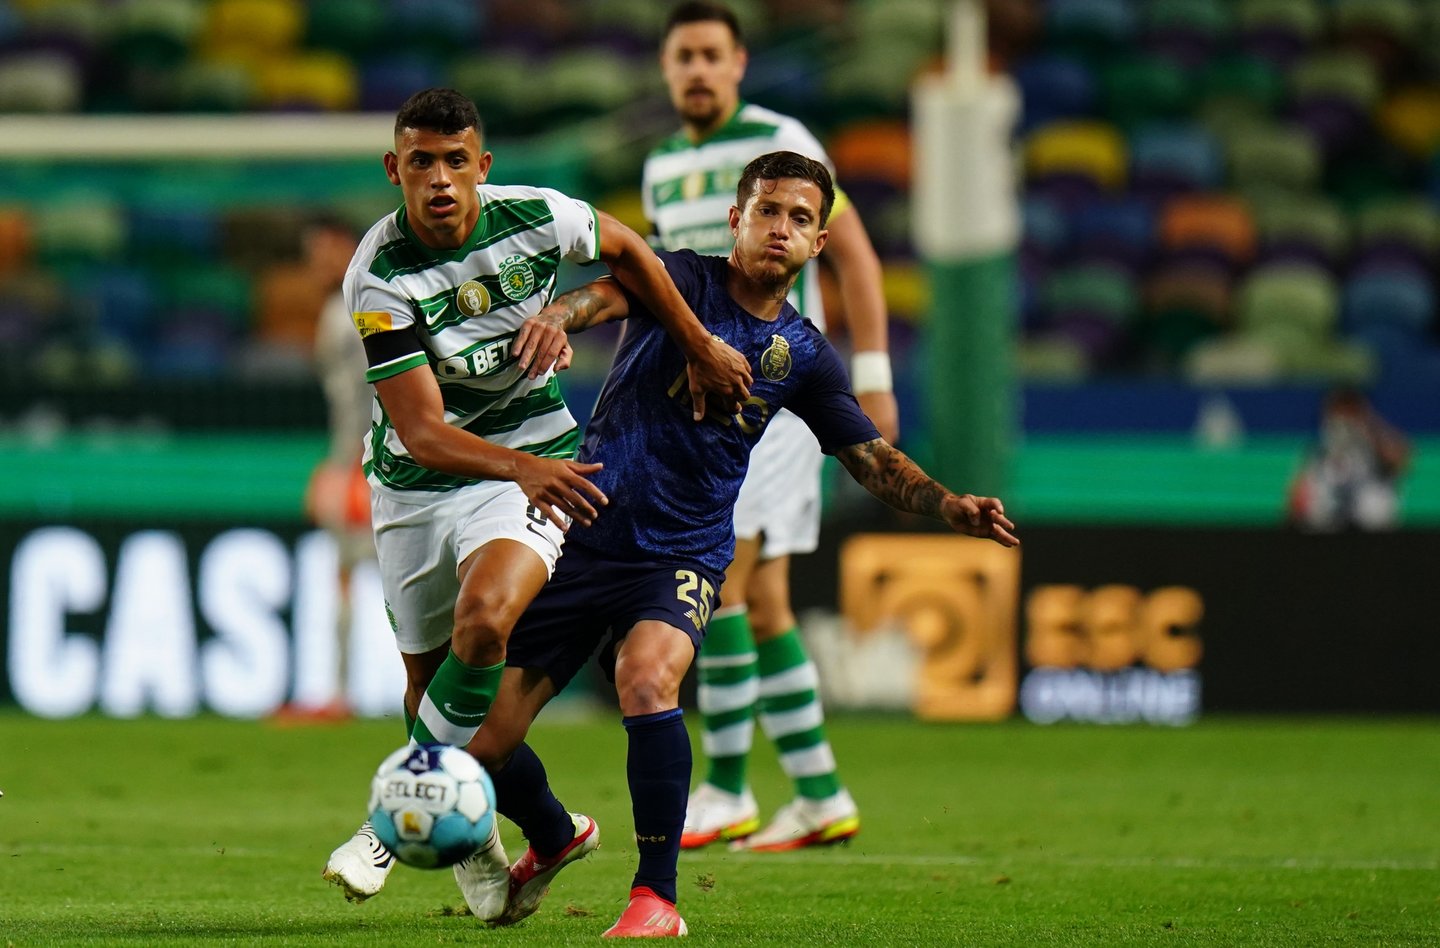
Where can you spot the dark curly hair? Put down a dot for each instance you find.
(787, 164)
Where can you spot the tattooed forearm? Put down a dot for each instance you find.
(886, 472)
(581, 307)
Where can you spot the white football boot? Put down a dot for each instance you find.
(484, 878)
(804, 822)
(713, 815)
(360, 865)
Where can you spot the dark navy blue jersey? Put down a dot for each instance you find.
(672, 482)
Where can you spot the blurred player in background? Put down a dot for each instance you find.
(337, 498)
(640, 581)
(754, 660)
(1351, 478)
(470, 465)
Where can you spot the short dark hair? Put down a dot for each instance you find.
(439, 110)
(787, 164)
(697, 11)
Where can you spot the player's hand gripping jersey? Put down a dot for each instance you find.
(459, 311)
(672, 483)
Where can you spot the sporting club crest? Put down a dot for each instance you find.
(516, 277)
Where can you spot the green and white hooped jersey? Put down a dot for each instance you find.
(466, 306)
(687, 189)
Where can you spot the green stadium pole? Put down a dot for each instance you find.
(966, 225)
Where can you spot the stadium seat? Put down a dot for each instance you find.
(123, 304)
(501, 86)
(151, 33)
(642, 20)
(1120, 231)
(1301, 228)
(1090, 28)
(1255, 84)
(80, 227)
(588, 82)
(1278, 30)
(1190, 286)
(17, 242)
(876, 78)
(201, 86)
(386, 81)
(254, 26)
(1185, 303)
(1053, 88)
(1089, 150)
(40, 81)
(226, 291)
(1407, 227)
(161, 235)
(1139, 89)
(1294, 304)
(355, 29)
(317, 80)
(1279, 157)
(1172, 158)
(29, 302)
(874, 150)
(1404, 298)
(1384, 31)
(1044, 226)
(411, 27)
(1092, 305)
(1211, 227)
(1410, 118)
(1186, 31)
(1334, 94)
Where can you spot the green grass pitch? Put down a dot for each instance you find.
(1233, 832)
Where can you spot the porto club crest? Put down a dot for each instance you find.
(775, 362)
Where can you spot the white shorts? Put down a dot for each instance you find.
(780, 497)
(422, 537)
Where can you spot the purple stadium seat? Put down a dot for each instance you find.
(1120, 231)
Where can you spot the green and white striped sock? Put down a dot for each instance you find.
(456, 702)
(728, 688)
(791, 716)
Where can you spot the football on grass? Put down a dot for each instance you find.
(432, 805)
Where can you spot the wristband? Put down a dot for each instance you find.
(870, 372)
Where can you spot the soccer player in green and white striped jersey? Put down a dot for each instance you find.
(469, 453)
(753, 662)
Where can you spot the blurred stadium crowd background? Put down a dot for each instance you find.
(1214, 192)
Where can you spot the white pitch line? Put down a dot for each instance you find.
(819, 859)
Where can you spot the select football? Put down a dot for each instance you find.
(431, 805)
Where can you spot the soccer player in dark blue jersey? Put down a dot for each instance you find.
(641, 580)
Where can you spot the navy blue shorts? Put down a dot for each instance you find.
(592, 600)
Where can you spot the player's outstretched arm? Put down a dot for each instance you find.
(715, 368)
(542, 340)
(885, 471)
(559, 489)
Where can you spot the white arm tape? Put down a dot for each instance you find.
(870, 372)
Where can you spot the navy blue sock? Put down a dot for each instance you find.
(659, 770)
(522, 795)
